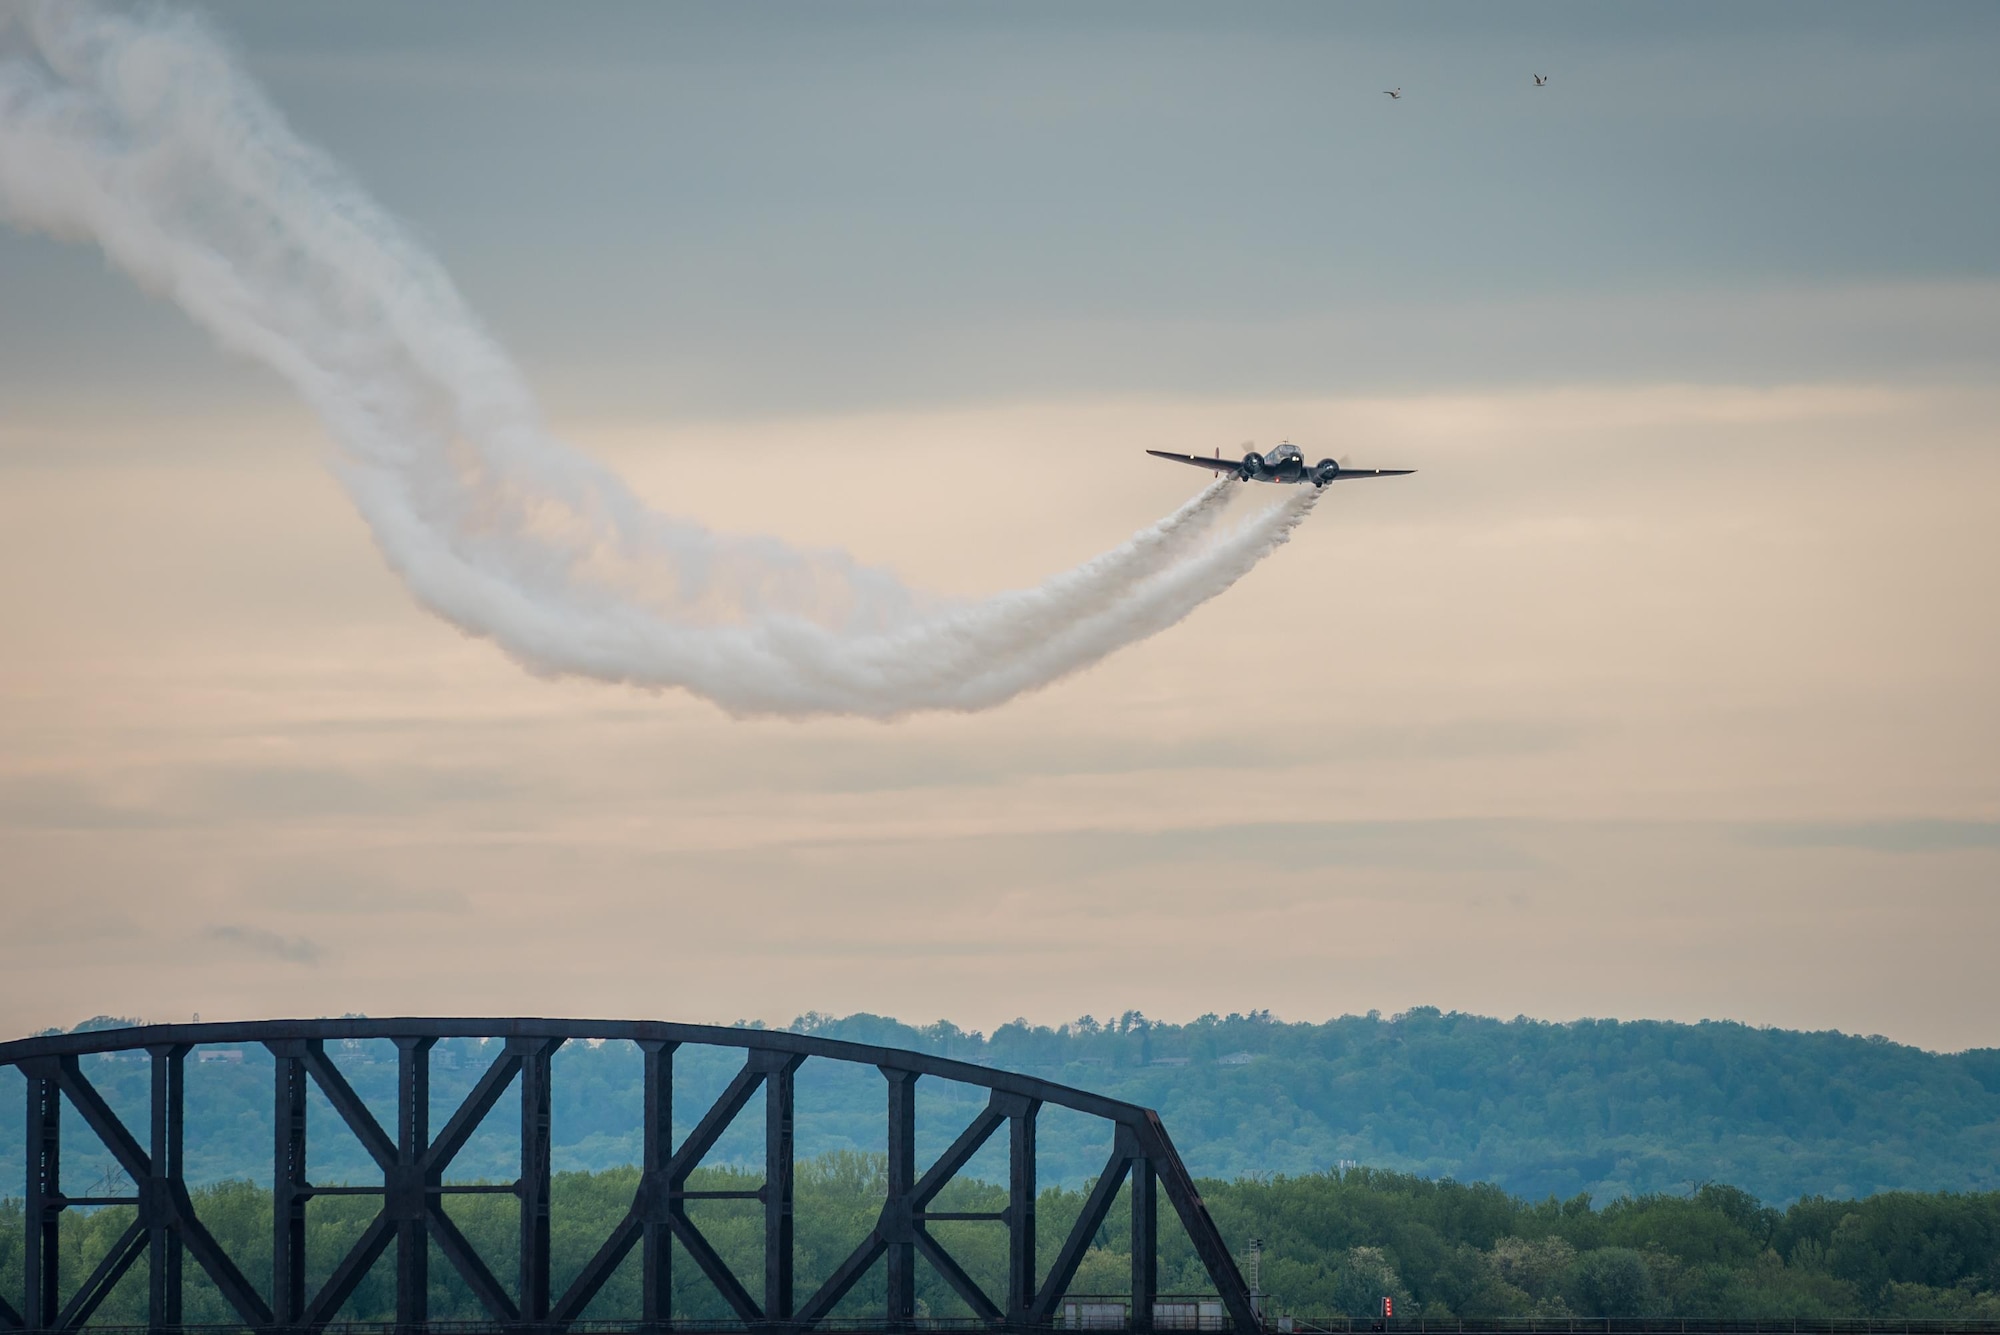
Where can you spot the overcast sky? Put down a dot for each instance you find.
(1663, 689)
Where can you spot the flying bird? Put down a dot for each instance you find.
(1395, 95)
(1541, 79)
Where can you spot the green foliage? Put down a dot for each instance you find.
(1447, 1249)
(1600, 1107)
(1335, 1244)
(1612, 1281)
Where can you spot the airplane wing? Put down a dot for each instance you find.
(1347, 473)
(1200, 461)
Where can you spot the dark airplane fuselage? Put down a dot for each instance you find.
(1286, 464)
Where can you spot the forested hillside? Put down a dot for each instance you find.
(1335, 1243)
(1537, 1109)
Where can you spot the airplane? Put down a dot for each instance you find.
(1284, 464)
(1395, 96)
(1541, 80)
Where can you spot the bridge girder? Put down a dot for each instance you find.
(413, 1162)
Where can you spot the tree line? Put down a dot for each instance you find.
(1600, 1106)
(1334, 1243)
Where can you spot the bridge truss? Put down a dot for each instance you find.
(413, 1160)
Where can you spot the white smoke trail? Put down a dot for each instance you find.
(1161, 602)
(140, 133)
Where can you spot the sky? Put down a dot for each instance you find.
(1663, 689)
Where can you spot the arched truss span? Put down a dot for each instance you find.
(413, 1159)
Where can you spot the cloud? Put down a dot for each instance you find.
(352, 888)
(1880, 836)
(305, 791)
(59, 802)
(194, 795)
(274, 945)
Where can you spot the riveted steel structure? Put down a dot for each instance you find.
(413, 1161)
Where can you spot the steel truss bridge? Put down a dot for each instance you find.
(413, 1160)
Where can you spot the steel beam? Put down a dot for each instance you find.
(897, 1228)
(465, 1259)
(436, 1158)
(858, 1263)
(999, 1108)
(647, 1222)
(405, 1202)
(349, 1106)
(97, 1115)
(236, 1290)
(717, 1270)
(613, 1251)
(289, 1193)
(413, 1168)
(656, 1256)
(721, 1036)
(954, 1274)
(535, 1123)
(129, 1247)
(164, 1206)
(347, 1276)
(42, 1247)
(977, 1132)
(156, 1208)
(1145, 1243)
(894, 1233)
(779, 1091)
(758, 1065)
(715, 1121)
(1096, 1208)
(1178, 1185)
(1021, 1209)
(478, 1103)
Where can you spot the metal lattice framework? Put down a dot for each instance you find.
(413, 1161)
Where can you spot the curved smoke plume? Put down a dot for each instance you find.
(139, 132)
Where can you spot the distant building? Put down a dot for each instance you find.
(1236, 1059)
(232, 1056)
(1168, 1061)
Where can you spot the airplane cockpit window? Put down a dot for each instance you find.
(1286, 451)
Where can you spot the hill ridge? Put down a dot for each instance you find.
(1540, 1108)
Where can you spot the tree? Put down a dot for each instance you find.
(1611, 1281)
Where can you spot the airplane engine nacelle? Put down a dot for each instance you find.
(1326, 470)
(1253, 463)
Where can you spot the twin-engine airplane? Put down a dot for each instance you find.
(1284, 464)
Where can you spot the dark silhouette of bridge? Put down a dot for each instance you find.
(413, 1161)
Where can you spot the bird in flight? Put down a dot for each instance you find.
(1396, 95)
(1541, 79)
